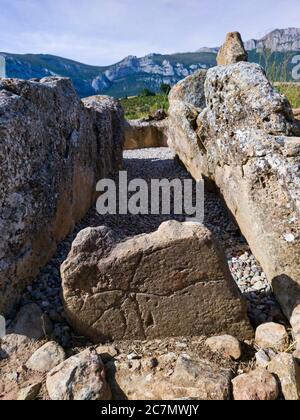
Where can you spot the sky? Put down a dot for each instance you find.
(102, 32)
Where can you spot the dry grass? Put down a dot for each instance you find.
(291, 91)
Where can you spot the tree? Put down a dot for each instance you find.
(147, 92)
(165, 88)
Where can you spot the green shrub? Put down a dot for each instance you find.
(146, 92)
(141, 106)
(164, 88)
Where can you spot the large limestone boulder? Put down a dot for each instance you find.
(232, 51)
(244, 142)
(187, 100)
(53, 150)
(173, 282)
(141, 134)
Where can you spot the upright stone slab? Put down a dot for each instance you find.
(53, 150)
(173, 282)
(232, 51)
(244, 141)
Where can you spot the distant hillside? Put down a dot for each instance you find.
(279, 40)
(133, 74)
(126, 78)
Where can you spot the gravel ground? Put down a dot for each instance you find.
(147, 164)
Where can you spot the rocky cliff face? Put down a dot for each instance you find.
(53, 150)
(280, 40)
(125, 78)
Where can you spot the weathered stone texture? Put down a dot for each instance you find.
(79, 378)
(244, 142)
(232, 51)
(170, 283)
(187, 100)
(141, 134)
(53, 150)
(189, 380)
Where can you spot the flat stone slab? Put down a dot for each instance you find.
(173, 282)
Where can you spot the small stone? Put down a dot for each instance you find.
(262, 359)
(81, 377)
(226, 345)
(135, 365)
(30, 393)
(13, 343)
(271, 335)
(286, 368)
(258, 385)
(133, 356)
(46, 358)
(289, 237)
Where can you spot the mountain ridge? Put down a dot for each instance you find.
(133, 74)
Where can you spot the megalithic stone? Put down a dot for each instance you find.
(173, 282)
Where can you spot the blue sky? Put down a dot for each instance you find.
(105, 31)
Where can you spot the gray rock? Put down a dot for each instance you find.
(212, 383)
(53, 149)
(81, 377)
(287, 370)
(262, 359)
(13, 343)
(226, 345)
(190, 90)
(271, 335)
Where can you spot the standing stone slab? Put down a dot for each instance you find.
(53, 150)
(232, 51)
(173, 282)
(140, 134)
(244, 141)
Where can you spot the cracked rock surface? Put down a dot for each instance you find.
(143, 287)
